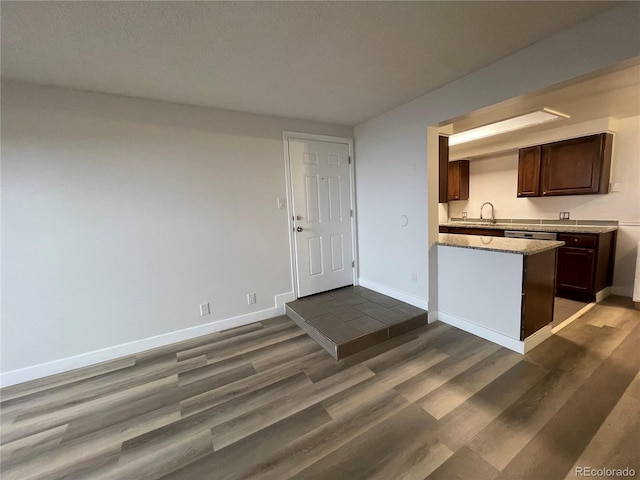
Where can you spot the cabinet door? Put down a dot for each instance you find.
(575, 268)
(529, 172)
(443, 168)
(577, 166)
(458, 182)
(453, 182)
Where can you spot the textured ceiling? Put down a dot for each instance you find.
(337, 62)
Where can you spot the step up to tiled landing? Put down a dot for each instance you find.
(350, 319)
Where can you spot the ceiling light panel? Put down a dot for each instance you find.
(509, 125)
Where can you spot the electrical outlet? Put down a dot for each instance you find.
(204, 309)
(464, 215)
(564, 215)
(251, 298)
(414, 277)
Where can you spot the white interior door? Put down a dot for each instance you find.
(321, 185)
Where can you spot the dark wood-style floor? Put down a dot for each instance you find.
(265, 401)
(564, 308)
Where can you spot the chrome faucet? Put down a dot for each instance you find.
(493, 219)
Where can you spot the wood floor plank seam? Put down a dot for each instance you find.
(251, 422)
(317, 444)
(218, 414)
(74, 396)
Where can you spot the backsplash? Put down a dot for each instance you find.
(538, 221)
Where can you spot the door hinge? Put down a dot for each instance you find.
(353, 264)
(351, 212)
(349, 159)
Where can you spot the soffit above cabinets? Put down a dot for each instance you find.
(594, 104)
(526, 138)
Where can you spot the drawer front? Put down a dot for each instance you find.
(579, 240)
(487, 232)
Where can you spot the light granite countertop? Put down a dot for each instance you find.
(518, 246)
(535, 228)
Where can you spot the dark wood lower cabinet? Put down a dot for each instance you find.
(486, 232)
(585, 265)
(575, 268)
(537, 292)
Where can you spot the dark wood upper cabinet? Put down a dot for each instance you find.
(576, 167)
(458, 181)
(529, 171)
(443, 168)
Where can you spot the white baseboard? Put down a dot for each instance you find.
(576, 315)
(283, 298)
(537, 338)
(41, 370)
(390, 292)
(482, 332)
(517, 346)
(602, 294)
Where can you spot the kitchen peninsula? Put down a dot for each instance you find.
(584, 270)
(501, 289)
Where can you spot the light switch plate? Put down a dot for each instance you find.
(204, 309)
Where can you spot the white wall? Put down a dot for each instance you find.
(389, 253)
(385, 144)
(494, 178)
(120, 216)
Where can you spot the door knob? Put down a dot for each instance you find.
(299, 229)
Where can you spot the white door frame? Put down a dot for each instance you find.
(288, 177)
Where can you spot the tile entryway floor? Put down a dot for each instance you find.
(350, 319)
